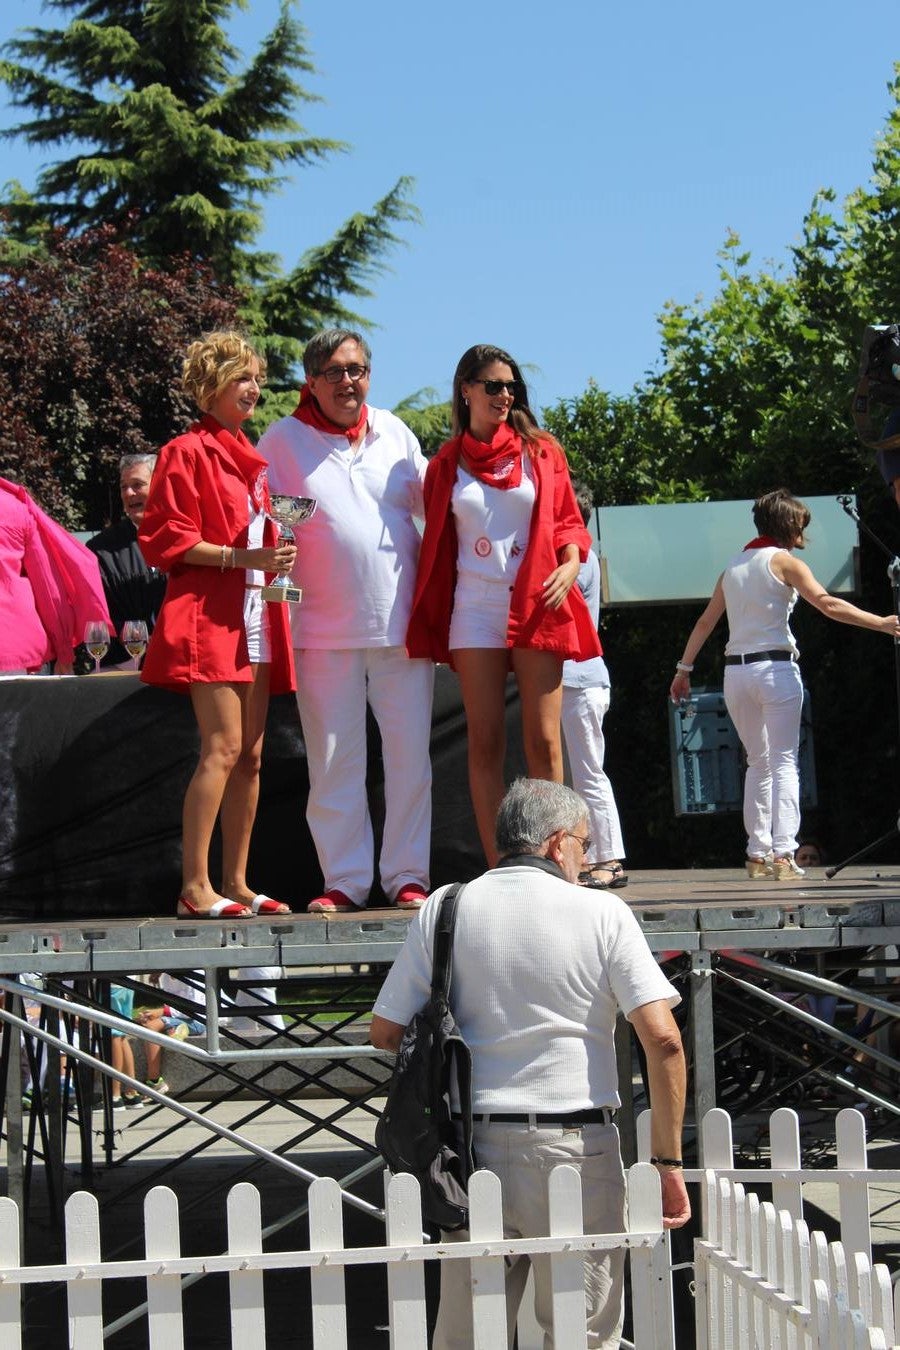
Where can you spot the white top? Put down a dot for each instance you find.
(255, 536)
(758, 604)
(357, 556)
(590, 674)
(540, 967)
(492, 525)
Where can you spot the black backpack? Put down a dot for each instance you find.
(416, 1133)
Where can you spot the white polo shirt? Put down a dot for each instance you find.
(540, 968)
(357, 556)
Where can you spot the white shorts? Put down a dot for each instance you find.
(480, 613)
(256, 625)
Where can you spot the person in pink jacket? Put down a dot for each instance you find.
(50, 587)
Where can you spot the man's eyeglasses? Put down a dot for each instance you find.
(584, 840)
(334, 374)
(494, 387)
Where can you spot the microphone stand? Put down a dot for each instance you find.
(893, 571)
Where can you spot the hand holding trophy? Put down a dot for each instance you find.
(287, 511)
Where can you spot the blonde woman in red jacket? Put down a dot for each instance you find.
(503, 543)
(206, 525)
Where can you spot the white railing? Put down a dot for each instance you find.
(404, 1255)
(763, 1280)
(851, 1174)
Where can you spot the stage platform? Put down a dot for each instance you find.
(686, 911)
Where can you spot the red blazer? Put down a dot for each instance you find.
(198, 493)
(555, 522)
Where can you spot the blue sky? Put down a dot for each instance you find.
(577, 163)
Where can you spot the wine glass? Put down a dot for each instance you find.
(134, 640)
(96, 639)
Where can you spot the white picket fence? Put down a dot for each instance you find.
(84, 1272)
(762, 1279)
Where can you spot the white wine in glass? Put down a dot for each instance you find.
(96, 639)
(134, 640)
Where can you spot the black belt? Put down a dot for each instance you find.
(749, 658)
(595, 1115)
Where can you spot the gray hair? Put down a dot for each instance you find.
(323, 344)
(129, 461)
(532, 810)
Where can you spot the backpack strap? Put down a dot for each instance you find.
(442, 963)
(458, 1051)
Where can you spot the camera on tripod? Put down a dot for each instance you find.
(879, 384)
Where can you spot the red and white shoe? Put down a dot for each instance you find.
(332, 902)
(411, 896)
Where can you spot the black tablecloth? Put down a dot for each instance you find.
(92, 776)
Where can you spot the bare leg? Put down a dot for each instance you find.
(482, 677)
(117, 1055)
(217, 708)
(242, 789)
(539, 677)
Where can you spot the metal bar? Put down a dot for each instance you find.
(703, 1037)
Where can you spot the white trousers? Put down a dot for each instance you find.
(333, 688)
(765, 703)
(522, 1158)
(583, 711)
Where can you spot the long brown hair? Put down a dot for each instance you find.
(521, 418)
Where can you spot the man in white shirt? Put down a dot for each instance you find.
(540, 968)
(356, 564)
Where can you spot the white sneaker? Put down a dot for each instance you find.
(758, 868)
(785, 869)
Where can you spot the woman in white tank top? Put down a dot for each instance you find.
(763, 689)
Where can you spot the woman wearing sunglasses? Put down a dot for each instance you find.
(495, 589)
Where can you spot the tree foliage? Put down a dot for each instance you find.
(178, 145)
(752, 390)
(91, 339)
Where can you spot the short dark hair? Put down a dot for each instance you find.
(324, 344)
(532, 810)
(584, 499)
(782, 517)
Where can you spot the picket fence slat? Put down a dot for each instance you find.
(488, 1273)
(82, 1222)
(784, 1147)
(569, 1318)
(326, 1231)
(161, 1242)
(10, 1258)
(248, 1317)
(853, 1196)
(406, 1281)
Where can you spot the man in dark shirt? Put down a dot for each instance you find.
(133, 590)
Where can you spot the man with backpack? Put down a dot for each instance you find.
(540, 968)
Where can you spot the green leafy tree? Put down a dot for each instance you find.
(179, 146)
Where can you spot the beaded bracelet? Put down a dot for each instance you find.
(683, 667)
(668, 1162)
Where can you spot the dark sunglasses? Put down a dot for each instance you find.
(493, 387)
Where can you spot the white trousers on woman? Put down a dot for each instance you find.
(583, 711)
(765, 703)
(333, 688)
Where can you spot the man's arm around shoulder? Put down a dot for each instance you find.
(658, 1033)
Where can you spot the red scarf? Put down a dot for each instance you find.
(763, 541)
(497, 462)
(245, 457)
(308, 411)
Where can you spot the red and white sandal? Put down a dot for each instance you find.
(220, 909)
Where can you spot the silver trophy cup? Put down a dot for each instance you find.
(287, 511)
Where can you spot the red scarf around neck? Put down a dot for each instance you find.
(497, 462)
(250, 462)
(308, 411)
(763, 541)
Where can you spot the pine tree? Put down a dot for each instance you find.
(179, 146)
